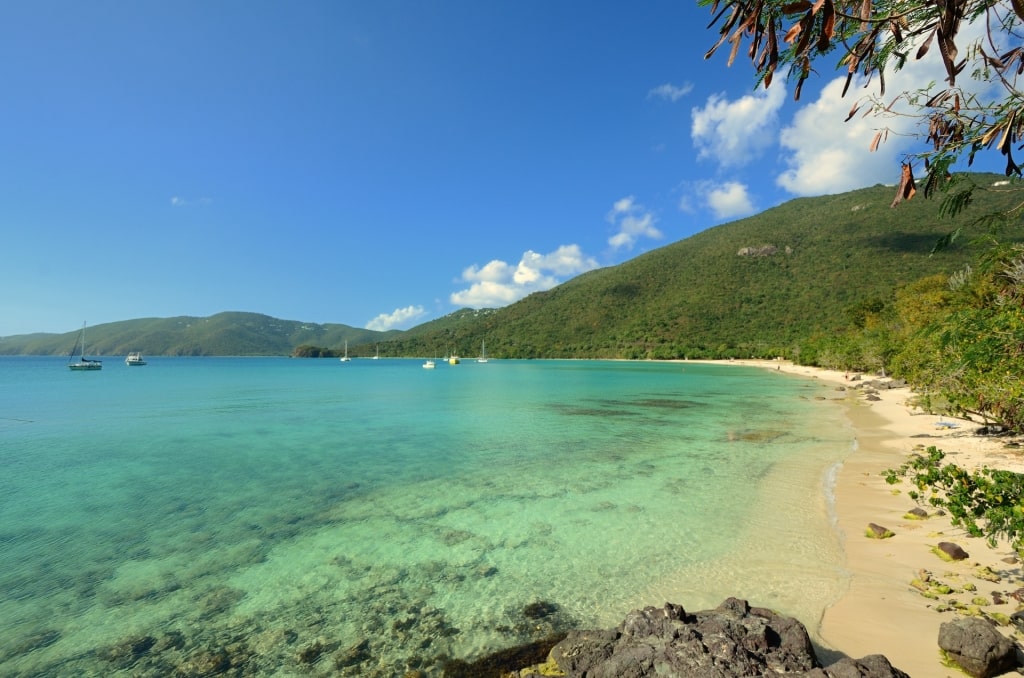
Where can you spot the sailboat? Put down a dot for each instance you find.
(377, 355)
(83, 364)
(483, 352)
(345, 358)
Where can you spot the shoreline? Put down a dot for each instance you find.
(880, 612)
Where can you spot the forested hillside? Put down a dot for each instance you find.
(756, 286)
(751, 287)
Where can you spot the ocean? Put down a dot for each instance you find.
(278, 517)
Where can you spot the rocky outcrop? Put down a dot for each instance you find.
(761, 251)
(734, 639)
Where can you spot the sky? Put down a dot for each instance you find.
(381, 164)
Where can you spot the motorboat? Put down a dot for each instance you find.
(134, 359)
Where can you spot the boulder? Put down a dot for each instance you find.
(977, 647)
(952, 550)
(877, 531)
(734, 639)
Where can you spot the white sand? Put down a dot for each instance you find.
(881, 612)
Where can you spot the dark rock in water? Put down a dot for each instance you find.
(172, 640)
(310, 653)
(952, 550)
(539, 609)
(356, 654)
(734, 639)
(205, 663)
(502, 663)
(36, 641)
(126, 653)
(977, 647)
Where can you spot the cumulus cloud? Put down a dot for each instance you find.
(396, 319)
(827, 155)
(725, 199)
(734, 133)
(729, 199)
(632, 222)
(671, 92)
(498, 283)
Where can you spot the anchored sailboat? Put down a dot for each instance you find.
(83, 364)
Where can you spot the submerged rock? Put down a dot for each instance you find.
(539, 609)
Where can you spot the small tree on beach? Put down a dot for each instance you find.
(987, 503)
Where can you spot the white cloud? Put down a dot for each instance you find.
(734, 133)
(178, 201)
(670, 91)
(498, 283)
(395, 319)
(633, 222)
(729, 199)
(827, 155)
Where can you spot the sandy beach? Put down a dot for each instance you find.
(881, 612)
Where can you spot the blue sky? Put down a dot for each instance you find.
(383, 163)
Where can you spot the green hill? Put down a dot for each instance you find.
(751, 287)
(249, 334)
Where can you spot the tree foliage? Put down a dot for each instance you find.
(976, 108)
(966, 353)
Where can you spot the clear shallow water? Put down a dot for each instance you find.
(307, 517)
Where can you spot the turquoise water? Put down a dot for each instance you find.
(308, 517)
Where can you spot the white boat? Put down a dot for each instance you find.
(345, 358)
(483, 352)
(84, 364)
(134, 359)
(429, 365)
(376, 356)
